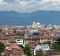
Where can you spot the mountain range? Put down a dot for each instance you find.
(15, 18)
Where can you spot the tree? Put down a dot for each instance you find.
(47, 42)
(14, 30)
(27, 51)
(2, 47)
(58, 41)
(0, 30)
(56, 45)
(37, 55)
(21, 46)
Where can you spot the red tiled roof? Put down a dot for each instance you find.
(39, 37)
(13, 49)
(32, 44)
(12, 46)
(4, 38)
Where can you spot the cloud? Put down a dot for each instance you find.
(29, 5)
(2, 2)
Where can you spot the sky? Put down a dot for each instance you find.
(29, 6)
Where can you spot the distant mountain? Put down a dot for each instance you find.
(14, 18)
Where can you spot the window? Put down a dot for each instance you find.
(18, 40)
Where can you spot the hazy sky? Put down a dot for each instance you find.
(29, 5)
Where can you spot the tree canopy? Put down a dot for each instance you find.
(57, 44)
(27, 51)
(0, 30)
(2, 47)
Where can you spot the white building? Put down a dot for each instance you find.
(42, 47)
(20, 41)
(36, 25)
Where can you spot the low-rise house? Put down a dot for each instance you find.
(33, 38)
(42, 48)
(13, 50)
(4, 39)
(57, 35)
(21, 33)
(20, 40)
(47, 38)
(40, 39)
(32, 44)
